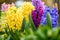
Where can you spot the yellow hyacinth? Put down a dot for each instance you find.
(11, 9)
(3, 21)
(14, 18)
(18, 19)
(26, 8)
(2, 24)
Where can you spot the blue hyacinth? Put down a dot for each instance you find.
(53, 14)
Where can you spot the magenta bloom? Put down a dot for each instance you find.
(38, 12)
(4, 6)
(36, 16)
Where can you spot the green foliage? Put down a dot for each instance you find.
(23, 24)
(41, 34)
(1, 32)
(49, 24)
(32, 24)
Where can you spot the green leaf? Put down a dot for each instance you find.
(49, 24)
(1, 33)
(55, 33)
(8, 38)
(40, 34)
(32, 24)
(41, 27)
(23, 25)
(27, 25)
(1, 37)
(30, 37)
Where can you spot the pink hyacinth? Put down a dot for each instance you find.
(4, 7)
(12, 4)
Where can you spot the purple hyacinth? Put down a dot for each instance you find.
(54, 16)
(38, 3)
(36, 16)
(37, 13)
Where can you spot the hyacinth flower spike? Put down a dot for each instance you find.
(54, 17)
(53, 14)
(38, 3)
(37, 13)
(4, 6)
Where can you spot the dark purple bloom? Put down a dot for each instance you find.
(53, 14)
(38, 12)
(36, 16)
